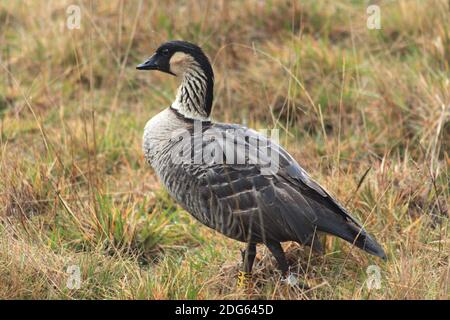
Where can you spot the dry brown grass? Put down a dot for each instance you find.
(75, 189)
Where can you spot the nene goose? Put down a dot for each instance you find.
(234, 194)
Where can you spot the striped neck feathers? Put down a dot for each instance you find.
(195, 93)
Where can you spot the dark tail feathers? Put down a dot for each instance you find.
(352, 233)
(363, 240)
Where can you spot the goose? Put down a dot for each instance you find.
(236, 190)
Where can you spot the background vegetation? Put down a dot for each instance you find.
(366, 112)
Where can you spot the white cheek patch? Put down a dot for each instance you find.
(179, 62)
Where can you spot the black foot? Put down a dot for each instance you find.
(277, 251)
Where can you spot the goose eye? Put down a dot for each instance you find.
(165, 52)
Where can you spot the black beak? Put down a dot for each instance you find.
(150, 64)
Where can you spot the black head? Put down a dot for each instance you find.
(178, 58)
(171, 56)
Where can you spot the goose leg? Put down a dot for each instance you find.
(248, 257)
(277, 251)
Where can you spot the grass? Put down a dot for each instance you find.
(75, 189)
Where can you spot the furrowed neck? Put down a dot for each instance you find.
(195, 93)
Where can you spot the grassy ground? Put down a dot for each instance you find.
(75, 189)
